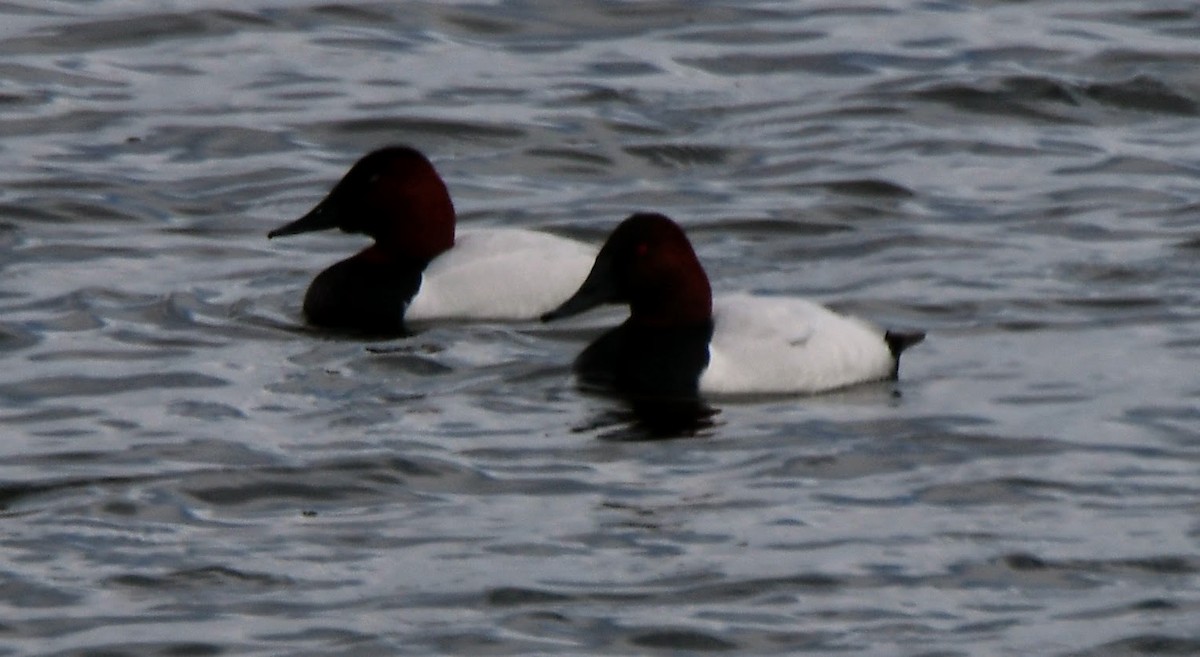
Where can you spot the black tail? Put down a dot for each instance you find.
(898, 341)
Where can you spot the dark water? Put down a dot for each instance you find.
(184, 470)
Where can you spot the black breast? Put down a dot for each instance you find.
(648, 362)
(363, 296)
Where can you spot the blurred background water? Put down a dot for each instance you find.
(186, 470)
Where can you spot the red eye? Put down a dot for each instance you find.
(641, 249)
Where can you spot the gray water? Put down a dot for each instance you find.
(186, 470)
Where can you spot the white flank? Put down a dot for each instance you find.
(786, 345)
(501, 274)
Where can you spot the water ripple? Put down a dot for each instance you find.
(188, 469)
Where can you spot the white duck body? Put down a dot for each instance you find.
(500, 274)
(776, 345)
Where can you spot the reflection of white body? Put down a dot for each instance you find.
(788, 345)
(501, 273)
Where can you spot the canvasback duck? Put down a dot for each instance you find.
(678, 343)
(418, 269)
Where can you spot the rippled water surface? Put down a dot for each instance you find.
(186, 470)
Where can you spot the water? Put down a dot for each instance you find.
(186, 470)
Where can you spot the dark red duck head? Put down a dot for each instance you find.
(393, 195)
(649, 264)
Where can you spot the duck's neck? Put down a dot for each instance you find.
(384, 256)
(415, 244)
(682, 302)
(416, 223)
(391, 253)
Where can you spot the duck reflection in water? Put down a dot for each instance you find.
(653, 419)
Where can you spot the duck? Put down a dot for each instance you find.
(680, 343)
(419, 268)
